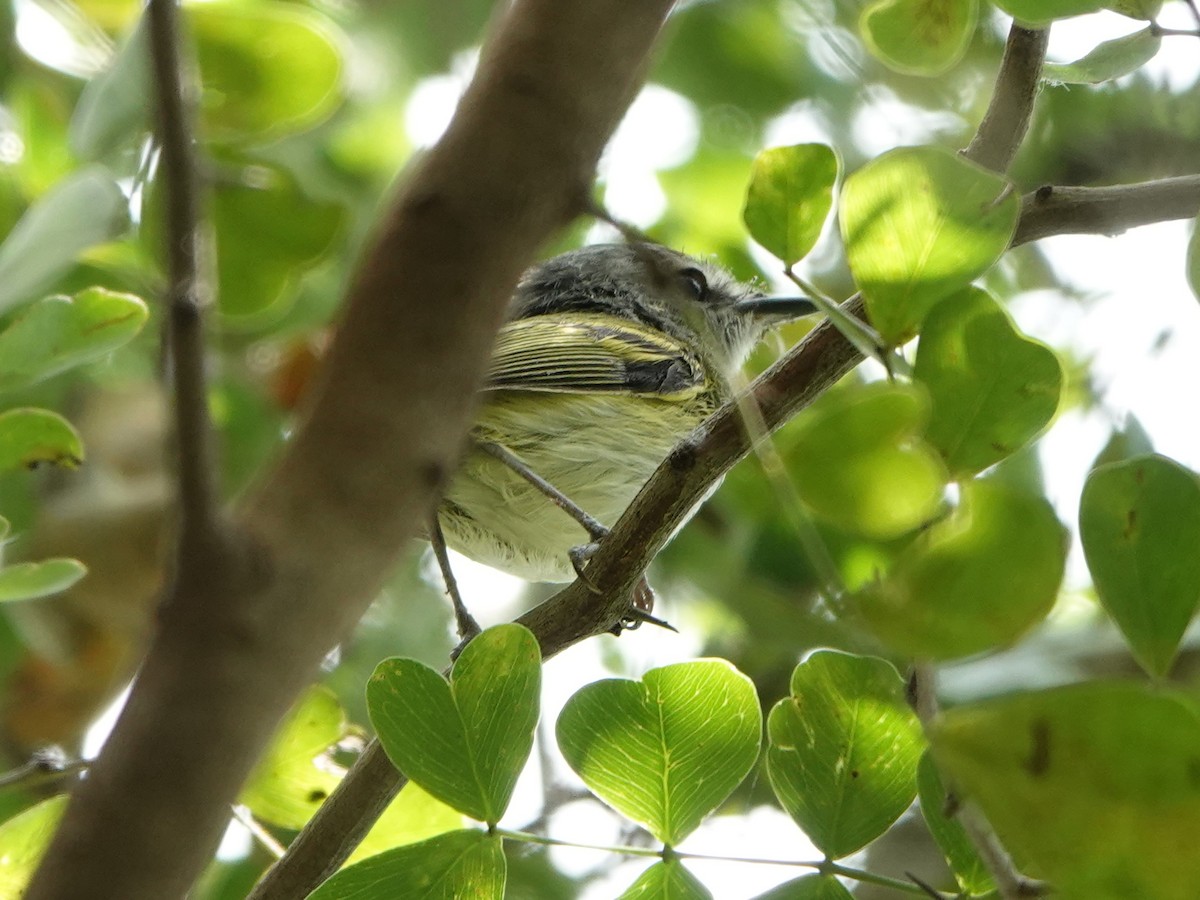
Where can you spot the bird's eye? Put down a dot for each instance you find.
(696, 282)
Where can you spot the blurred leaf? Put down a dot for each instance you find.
(84, 209)
(1107, 61)
(413, 816)
(808, 887)
(667, 880)
(667, 750)
(919, 223)
(1092, 787)
(114, 108)
(1043, 12)
(919, 37)
(973, 876)
(59, 332)
(842, 750)
(993, 389)
(1193, 259)
(464, 741)
(861, 464)
(267, 69)
(463, 863)
(33, 437)
(1136, 9)
(1130, 440)
(1139, 521)
(31, 580)
(789, 198)
(268, 233)
(289, 784)
(976, 580)
(25, 838)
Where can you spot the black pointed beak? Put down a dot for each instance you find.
(777, 308)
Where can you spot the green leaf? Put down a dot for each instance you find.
(114, 109)
(33, 437)
(1124, 443)
(808, 887)
(973, 876)
(1139, 521)
(288, 785)
(789, 198)
(268, 232)
(82, 210)
(1092, 787)
(861, 463)
(1136, 9)
(24, 839)
(267, 69)
(993, 389)
(464, 741)
(919, 37)
(1107, 61)
(842, 750)
(667, 880)
(919, 223)
(465, 863)
(1193, 259)
(1043, 12)
(31, 580)
(667, 750)
(59, 332)
(976, 580)
(413, 816)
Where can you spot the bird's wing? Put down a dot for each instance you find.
(592, 353)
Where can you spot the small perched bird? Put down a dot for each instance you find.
(611, 355)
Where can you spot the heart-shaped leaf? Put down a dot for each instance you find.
(33, 437)
(25, 838)
(464, 863)
(465, 741)
(842, 750)
(59, 332)
(919, 37)
(266, 69)
(976, 580)
(808, 887)
(31, 580)
(1092, 787)
(861, 464)
(666, 750)
(993, 389)
(789, 198)
(667, 880)
(919, 223)
(973, 876)
(288, 785)
(1139, 521)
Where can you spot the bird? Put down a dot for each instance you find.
(609, 356)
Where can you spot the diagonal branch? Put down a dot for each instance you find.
(316, 538)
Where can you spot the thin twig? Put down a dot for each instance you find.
(1011, 884)
(1006, 122)
(45, 766)
(257, 831)
(187, 285)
